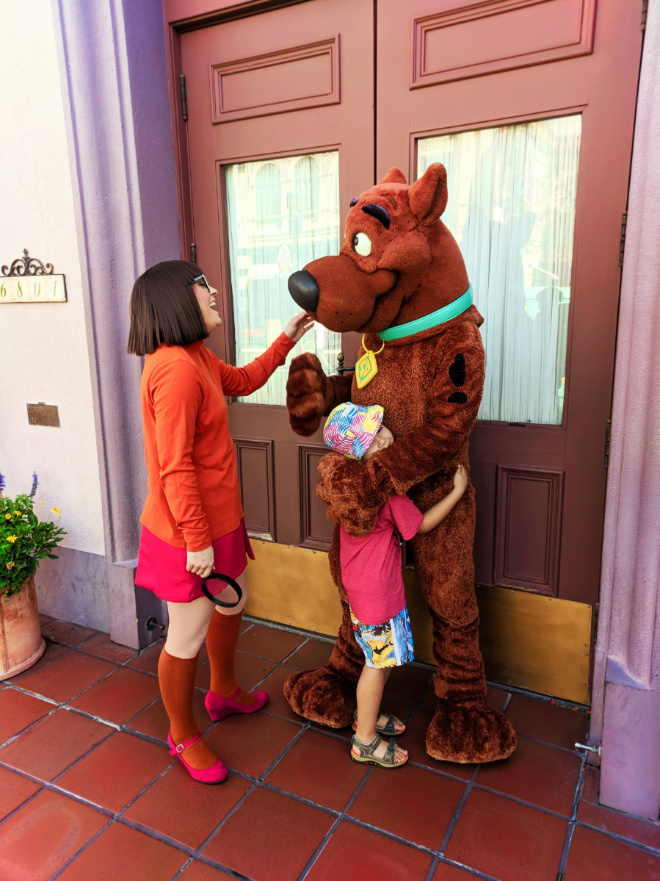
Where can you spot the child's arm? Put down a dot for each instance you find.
(436, 513)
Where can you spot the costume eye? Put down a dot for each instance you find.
(361, 244)
(354, 201)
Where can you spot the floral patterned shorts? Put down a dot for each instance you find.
(385, 645)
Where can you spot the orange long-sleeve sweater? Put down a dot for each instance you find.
(194, 496)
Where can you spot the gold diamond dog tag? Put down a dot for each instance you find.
(366, 367)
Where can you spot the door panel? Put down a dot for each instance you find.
(281, 136)
(540, 487)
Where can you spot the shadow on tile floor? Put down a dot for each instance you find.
(89, 790)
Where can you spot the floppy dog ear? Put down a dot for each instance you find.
(427, 197)
(394, 176)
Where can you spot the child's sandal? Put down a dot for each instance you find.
(387, 730)
(367, 751)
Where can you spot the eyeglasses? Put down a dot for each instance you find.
(201, 279)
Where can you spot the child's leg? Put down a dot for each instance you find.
(369, 694)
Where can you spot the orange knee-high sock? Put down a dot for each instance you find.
(176, 677)
(221, 642)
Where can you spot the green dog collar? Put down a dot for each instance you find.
(451, 310)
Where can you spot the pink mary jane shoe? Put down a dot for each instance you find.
(218, 706)
(215, 774)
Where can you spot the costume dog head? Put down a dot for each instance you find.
(398, 262)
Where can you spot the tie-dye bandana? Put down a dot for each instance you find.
(350, 429)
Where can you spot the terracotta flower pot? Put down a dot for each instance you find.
(21, 643)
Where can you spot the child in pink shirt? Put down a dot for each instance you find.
(371, 574)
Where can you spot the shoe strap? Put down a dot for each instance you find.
(179, 748)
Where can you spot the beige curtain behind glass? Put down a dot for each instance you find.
(282, 214)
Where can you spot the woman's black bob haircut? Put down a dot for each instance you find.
(164, 308)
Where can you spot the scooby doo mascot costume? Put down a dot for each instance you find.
(400, 280)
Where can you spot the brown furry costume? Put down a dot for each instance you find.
(430, 385)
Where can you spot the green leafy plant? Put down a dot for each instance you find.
(24, 538)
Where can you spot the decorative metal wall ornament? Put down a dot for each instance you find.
(27, 280)
(27, 265)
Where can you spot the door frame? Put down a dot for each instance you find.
(187, 15)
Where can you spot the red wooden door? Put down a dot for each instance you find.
(531, 107)
(280, 136)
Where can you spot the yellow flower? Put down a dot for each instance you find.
(54, 510)
(7, 516)
(10, 565)
(12, 538)
(42, 504)
(18, 513)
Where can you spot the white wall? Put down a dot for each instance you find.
(44, 352)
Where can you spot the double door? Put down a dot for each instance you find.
(530, 106)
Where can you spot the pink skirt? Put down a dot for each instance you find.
(162, 567)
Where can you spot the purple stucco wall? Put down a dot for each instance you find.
(626, 697)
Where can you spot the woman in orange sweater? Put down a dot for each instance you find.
(192, 523)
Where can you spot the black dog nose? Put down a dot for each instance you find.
(304, 290)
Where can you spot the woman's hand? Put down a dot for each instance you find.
(298, 326)
(200, 562)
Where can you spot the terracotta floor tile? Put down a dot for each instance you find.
(52, 653)
(15, 789)
(445, 872)
(591, 785)
(634, 828)
(408, 682)
(67, 676)
(536, 773)
(249, 671)
(116, 771)
(311, 655)
(18, 710)
(250, 743)
(184, 810)
(65, 633)
(40, 838)
(271, 837)
(119, 697)
(407, 814)
(274, 685)
(102, 646)
(198, 871)
(510, 841)
(52, 744)
(358, 854)
(597, 857)
(269, 642)
(148, 658)
(123, 854)
(154, 722)
(548, 722)
(318, 767)
(415, 743)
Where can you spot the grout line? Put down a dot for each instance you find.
(563, 857)
(472, 872)
(81, 851)
(457, 813)
(521, 801)
(647, 848)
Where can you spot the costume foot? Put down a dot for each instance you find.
(469, 733)
(321, 696)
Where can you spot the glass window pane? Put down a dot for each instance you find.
(282, 213)
(512, 210)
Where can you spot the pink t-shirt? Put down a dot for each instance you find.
(371, 565)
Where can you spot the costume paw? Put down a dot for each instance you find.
(344, 487)
(321, 696)
(469, 733)
(305, 394)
